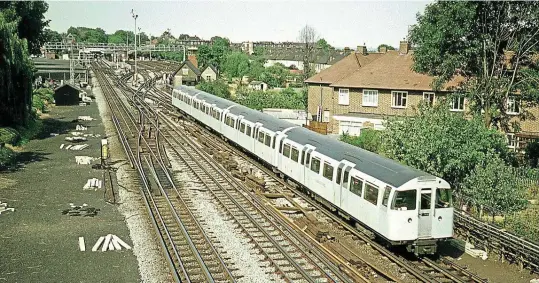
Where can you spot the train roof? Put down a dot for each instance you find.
(384, 169)
(379, 167)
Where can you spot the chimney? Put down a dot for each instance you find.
(362, 49)
(193, 59)
(383, 49)
(404, 47)
(346, 50)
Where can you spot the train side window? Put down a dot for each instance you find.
(371, 194)
(286, 150)
(232, 123)
(303, 156)
(339, 173)
(261, 137)
(385, 200)
(248, 131)
(267, 141)
(315, 165)
(273, 142)
(307, 159)
(242, 127)
(294, 155)
(328, 171)
(404, 200)
(345, 179)
(281, 147)
(357, 186)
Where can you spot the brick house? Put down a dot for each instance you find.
(364, 89)
(186, 74)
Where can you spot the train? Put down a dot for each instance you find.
(395, 203)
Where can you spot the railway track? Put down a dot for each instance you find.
(188, 249)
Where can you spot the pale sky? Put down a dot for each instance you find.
(341, 23)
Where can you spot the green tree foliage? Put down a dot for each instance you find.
(30, 19)
(369, 139)
(532, 154)
(89, 35)
(470, 39)
(441, 143)
(275, 76)
(236, 64)
(493, 184)
(51, 36)
(323, 44)
(15, 75)
(214, 54)
(256, 68)
(120, 37)
(217, 87)
(388, 47)
(285, 99)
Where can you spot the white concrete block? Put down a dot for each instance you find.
(61, 146)
(117, 246)
(107, 241)
(82, 246)
(111, 246)
(98, 243)
(122, 243)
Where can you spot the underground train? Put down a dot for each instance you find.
(396, 203)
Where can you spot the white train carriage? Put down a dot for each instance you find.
(402, 205)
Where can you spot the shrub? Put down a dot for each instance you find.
(7, 158)
(369, 139)
(532, 154)
(38, 103)
(9, 136)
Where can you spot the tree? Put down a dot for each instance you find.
(323, 44)
(51, 36)
(388, 47)
(369, 139)
(491, 45)
(236, 65)
(213, 54)
(217, 87)
(532, 154)
(441, 142)
(493, 185)
(308, 38)
(275, 75)
(90, 35)
(285, 99)
(120, 37)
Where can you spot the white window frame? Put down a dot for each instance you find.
(462, 106)
(370, 98)
(208, 78)
(512, 102)
(185, 71)
(344, 96)
(403, 97)
(428, 94)
(514, 142)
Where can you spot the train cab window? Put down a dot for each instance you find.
(242, 127)
(248, 131)
(260, 137)
(315, 165)
(328, 171)
(444, 198)
(307, 159)
(339, 173)
(286, 150)
(404, 200)
(371, 194)
(385, 200)
(267, 140)
(294, 155)
(356, 186)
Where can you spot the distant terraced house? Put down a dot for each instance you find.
(365, 88)
(292, 57)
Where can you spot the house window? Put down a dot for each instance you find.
(511, 140)
(208, 78)
(344, 96)
(399, 98)
(371, 194)
(328, 171)
(457, 104)
(429, 97)
(370, 97)
(326, 116)
(185, 71)
(513, 105)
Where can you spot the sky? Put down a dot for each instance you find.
(341, 23)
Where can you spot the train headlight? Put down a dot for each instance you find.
(409, 220)
(439, 218)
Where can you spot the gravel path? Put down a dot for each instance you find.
(243, 256)
(152, 267)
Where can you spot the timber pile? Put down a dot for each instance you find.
(255, 183)
(4, 208)
(93, 183)
(84, 160)
(110, 243)
(83, 210)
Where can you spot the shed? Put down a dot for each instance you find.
(258, 85)
(67, 94)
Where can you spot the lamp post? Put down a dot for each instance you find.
(135, 16)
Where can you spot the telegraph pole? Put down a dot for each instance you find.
(135, 16)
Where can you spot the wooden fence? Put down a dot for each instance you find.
(319, 127)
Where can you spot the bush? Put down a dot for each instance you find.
(217, 88)
(532, 154)
(38, 103)
(525, 224)
(7, 158)
(369, 139)
(9, 136)
(285, 99)
(46, 94)
(33, 129)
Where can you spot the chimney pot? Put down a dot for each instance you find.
(404, 47)
(362, 49)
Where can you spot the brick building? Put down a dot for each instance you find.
(364, 89)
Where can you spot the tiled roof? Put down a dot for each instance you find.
(391, 71)
(343, 68)
(295, 54)
(190, 65)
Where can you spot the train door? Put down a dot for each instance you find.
(308, 181)
(426, 210)
(344, 188)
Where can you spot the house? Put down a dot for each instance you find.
(294, 116)
(186, 74)
(364, 89)
(292, 57)
(210, 74)
(258, 85)
(67, 94)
